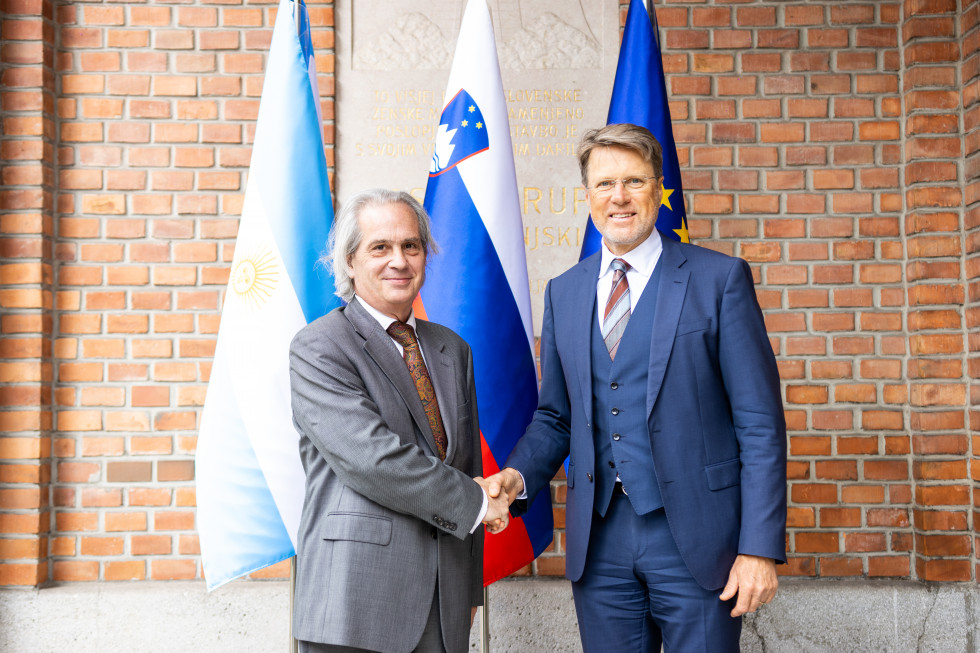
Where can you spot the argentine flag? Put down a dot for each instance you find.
(478, 284)
(250, 481)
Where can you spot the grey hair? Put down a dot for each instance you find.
(345, 236)
(632, 137)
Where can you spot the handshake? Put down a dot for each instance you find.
(501, 490)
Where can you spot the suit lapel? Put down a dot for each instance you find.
(383, 352)
(580, 319)
(670, 300)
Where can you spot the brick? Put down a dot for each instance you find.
(151, 445)
(731, 39)
(75, 570)
(127, 38)
(150, 545)
(180, 39)
(175, 470)
(125, 521)
(100, 446)
(832, 420)
(943, 570)
(149, 16)
(129, 472)
(173, 521)
(124, 570)
(888, 566)
(817, 543)
(196, 63)
(145, 62)
(947, 495)
(162, 569)
(862, 494)
(149, 109)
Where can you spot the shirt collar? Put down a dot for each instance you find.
(641, 258)
(385, 320)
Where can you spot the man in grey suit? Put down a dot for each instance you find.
(390, 546)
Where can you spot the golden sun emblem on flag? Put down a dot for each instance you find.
(254, 277)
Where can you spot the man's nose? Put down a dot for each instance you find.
(397, 259)
(619, 193)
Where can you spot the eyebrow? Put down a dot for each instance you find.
(385, 241)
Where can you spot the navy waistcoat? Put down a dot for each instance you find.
(619, 390)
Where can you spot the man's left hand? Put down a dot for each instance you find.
(754, 580)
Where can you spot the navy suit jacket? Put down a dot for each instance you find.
(715, 416)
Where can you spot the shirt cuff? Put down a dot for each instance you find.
(483, 512)
(523, 494)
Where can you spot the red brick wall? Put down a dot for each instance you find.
(27, 168)
(936, 293)
(969, 28)
(835, 146)
(126, 139)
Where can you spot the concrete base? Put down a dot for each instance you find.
(527, 615)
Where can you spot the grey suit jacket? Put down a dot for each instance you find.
(383, 517)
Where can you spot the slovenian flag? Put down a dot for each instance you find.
(478, 284)
(250, 481)
(639, 97)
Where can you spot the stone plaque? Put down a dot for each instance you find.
(557, 59)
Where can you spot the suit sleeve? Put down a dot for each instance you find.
(332, 406)
(546, 443)
(751, 379)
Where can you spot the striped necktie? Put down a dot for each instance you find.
(617, 313)
(405, 336)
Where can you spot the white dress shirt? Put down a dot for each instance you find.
(642, 260)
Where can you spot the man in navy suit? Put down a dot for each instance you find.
(659, 383)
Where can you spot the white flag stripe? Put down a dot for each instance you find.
(491, 181)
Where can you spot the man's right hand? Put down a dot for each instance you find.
(507, 483)
(498, 508)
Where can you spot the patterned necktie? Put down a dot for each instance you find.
(617, 313)
(405, 336)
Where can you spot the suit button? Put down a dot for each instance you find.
(588, 475)
(614, 385)
(612, 464)
(615, 411)
(616, 436)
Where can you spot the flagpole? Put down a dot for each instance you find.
(485, 620)
(293, 644)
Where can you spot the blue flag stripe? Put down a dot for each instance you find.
(297, 197)
(492, 326)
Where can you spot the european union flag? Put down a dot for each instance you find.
(640, 97)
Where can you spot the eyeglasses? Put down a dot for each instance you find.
(607, 186)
